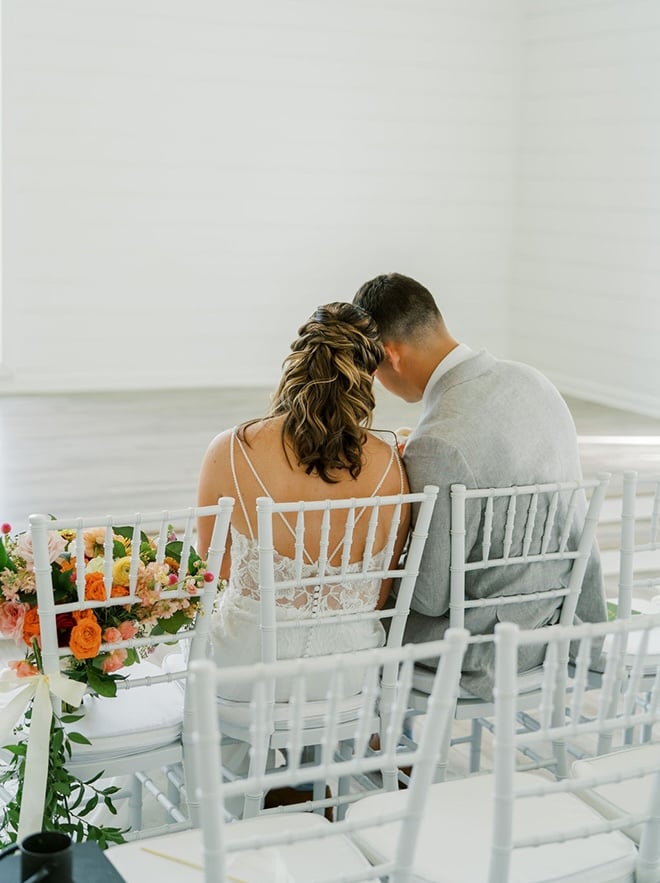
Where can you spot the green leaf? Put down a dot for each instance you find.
(71, 718)
(172, 625)
(56, 740)
(79, 739)
(174, 549)
(127, 533)
(91, 804)
(19, 750)
(101, 683)
(5, 560)
(110, 806)
(78, 800)
(132, 656)
(118, 549)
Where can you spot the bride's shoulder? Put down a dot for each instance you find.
(381, 441)
(220, 442)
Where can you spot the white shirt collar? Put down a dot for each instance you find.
(459, 354)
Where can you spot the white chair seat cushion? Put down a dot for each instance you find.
(454, 839)
(303, 862)
(620, 798)
(238, 713)
(133, 721)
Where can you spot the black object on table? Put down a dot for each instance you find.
(89, 866)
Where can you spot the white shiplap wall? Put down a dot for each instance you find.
(184, 181)
(586, 287)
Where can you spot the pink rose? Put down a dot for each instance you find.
(12, 614)
(56, 545)
(111, 635)
(127, 630)
(114, 661)
(23, 668)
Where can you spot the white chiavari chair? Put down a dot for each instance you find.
(294, 845)
(540, 532)
(639, 571)
(139, 729)
(528, 826)
(334, 598)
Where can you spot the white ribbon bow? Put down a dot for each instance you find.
(38, 687)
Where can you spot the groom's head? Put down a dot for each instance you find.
(411, 328)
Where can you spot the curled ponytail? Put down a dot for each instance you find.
(326, 391)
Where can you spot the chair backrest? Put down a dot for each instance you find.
(639, 556)
(328, 716)
(323, 588)
(528, 526)
(132, 578)
(567, 718)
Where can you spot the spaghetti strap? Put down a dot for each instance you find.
(393, 456)
(263, 488)
(232, 461)
(235, 438)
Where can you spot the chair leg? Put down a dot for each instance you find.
(135, 804)
(174, 786)
(442, 762)
(475, 746)
(258, 762)
(344, 750)
(252, 805)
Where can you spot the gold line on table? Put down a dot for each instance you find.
(183, 861)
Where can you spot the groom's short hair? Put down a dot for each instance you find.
(402, 308)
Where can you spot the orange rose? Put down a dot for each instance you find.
(31, 627)
(79, 615)
(94, 587)
(85, 639)
(119, 591)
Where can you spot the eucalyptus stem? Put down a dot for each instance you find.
(69, 799)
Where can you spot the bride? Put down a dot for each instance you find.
(313, 445)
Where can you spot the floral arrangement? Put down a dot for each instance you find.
(168, 598)
(85, 631)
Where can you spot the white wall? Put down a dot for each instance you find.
(184, 180)
(586, 292)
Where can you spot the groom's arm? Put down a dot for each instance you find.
(431, 460)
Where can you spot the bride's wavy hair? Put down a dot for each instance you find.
(326, 391)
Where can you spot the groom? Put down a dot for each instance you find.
(485, 422)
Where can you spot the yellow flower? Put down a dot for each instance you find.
(120, 571)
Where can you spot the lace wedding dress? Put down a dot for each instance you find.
(235, 627)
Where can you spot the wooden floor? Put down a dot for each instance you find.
(123, 452)
(128, 451)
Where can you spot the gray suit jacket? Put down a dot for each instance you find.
(492, 423)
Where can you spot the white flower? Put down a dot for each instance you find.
(95, 565)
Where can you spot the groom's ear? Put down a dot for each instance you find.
(393, 355)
